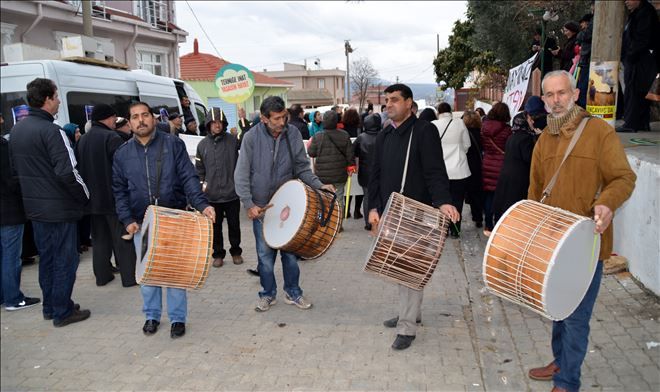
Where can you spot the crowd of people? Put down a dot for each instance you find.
(120, 166)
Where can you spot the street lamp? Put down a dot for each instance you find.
(347, 50)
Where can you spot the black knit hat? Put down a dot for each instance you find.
(102, 111)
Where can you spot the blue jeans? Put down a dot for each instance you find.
(11, 238)
(58, 262)
(266, 257)
(570, 338)
(177, 303)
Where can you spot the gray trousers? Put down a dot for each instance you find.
(410, 310)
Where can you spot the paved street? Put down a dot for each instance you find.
(470, 340)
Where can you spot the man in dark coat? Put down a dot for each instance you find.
(95, 151)
(172, 183)
(426, 181)
(12, 218)
(54, 195)
(215, 162)
(640, 66)
(363, 149)
(332, 150)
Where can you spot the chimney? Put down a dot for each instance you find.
(195, 46)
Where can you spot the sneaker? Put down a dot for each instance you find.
(300, 302)
(25, 303)
(264, 304)
(74, 317)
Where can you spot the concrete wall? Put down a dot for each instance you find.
(637, 222)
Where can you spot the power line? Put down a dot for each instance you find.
(203, 30)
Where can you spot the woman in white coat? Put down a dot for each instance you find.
(455, 143)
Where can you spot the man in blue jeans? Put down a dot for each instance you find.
(12, 218)
(594, 180)
(153, 168)
(272, 153)
(54, 195)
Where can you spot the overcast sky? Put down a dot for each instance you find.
(398, 37)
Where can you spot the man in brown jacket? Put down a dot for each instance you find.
(597, 162)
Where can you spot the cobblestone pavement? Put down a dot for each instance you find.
(470, 340)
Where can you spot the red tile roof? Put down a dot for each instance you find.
(204, 66)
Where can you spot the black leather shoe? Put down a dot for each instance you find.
(367, 227)
(402, 342)
(150, 327)
(74, 317)
(50, 316)
(254, 272)
(391, 323)
(625, 130)
(178, 330)
(114, 269)
(479, 224)
(99, 283)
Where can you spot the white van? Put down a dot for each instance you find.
(79, 85)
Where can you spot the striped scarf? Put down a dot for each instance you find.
(556, 122)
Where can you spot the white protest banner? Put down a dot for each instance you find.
(516, 85)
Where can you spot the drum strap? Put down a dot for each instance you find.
(574, 139)
(159, 168)
(405, 165)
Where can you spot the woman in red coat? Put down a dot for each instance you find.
(494, 133)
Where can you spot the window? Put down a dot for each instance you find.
(257, 102)
(152, 62)
(157, 103)
(152, 10)
(76, 101)
(321, 83)
(7, 32)
(201, 116)
(10, 100)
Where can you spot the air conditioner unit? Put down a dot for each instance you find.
(83, 46)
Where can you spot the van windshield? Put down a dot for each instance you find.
(8, 102)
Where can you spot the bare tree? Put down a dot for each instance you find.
(362, 76)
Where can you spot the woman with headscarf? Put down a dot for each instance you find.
(513, 182)
(315, 123)
(428, 114)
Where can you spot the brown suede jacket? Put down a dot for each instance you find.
(596, 162)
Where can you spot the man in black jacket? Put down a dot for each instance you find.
(363, 149)
(426, 181)
(95, 151)
(54, 195)
(640, 66)
(215, 162)
(12, 218)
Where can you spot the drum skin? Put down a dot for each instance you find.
(530, 242)
(311, 239)
(409, 242)
(174, 248)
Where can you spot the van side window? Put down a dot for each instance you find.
(10, 100)
(201, 116)
(157, 103)
(76, 101)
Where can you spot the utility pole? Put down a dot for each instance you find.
(87, 18)
(347, 50)
(609, 19)
(437, 41)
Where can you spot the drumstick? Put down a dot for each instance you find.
(263, 209)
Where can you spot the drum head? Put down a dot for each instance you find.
(283, 220)
(571, 270)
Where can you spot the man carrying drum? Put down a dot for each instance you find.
(594, 180)
(154, 168)
(426, 181)
(271, 154)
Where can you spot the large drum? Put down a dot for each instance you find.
(302, 221)
(542, 258)
(409, 243)
(173, 248)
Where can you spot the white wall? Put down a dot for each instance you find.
(637, 222)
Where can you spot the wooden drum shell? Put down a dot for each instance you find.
(173, 248)
(409, 242)
(311, 240)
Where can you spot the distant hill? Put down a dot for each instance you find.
(420, 90)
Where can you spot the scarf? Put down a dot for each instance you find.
(556, 122)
